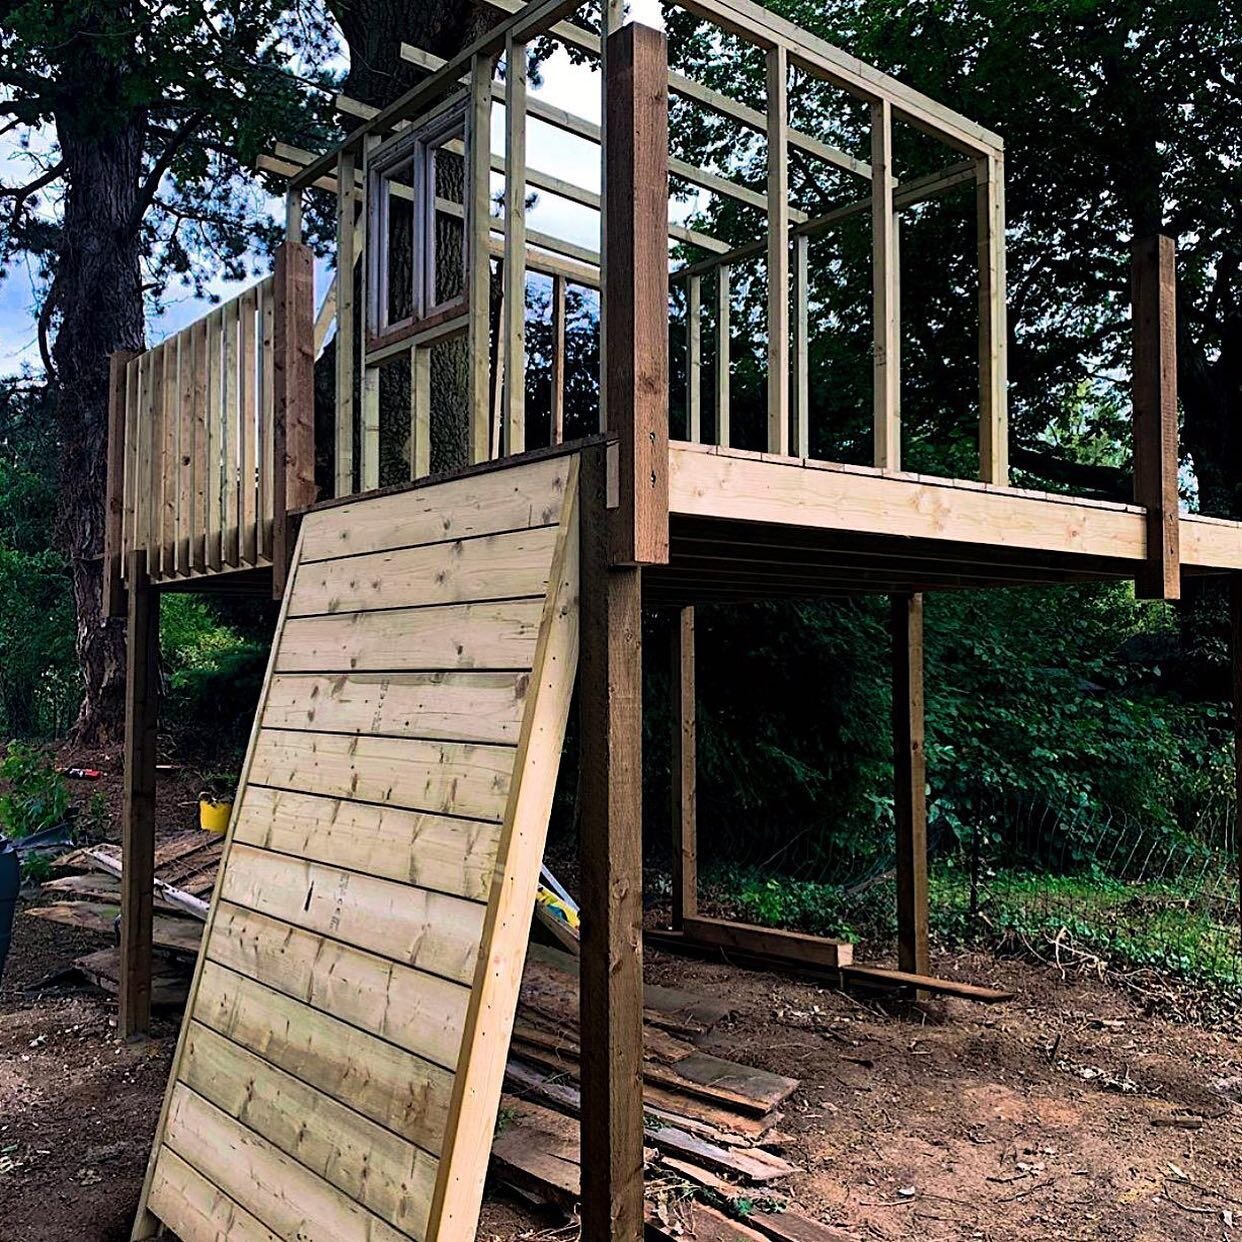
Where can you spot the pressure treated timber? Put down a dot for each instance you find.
(341, 1063)
(683, 768)
(910, 783)
(953, 520)
(1154, 313)
(611, 988)
(142, 688)
(635, 295)
(749, 938)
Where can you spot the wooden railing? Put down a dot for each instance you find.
(211, 437)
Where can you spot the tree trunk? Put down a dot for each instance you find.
(98, 297)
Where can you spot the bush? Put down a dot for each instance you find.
(37, 795)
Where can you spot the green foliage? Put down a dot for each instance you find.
(36, 794)
(214, 659)
(40, 686)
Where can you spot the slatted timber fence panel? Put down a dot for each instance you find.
(339, 1068)
(198, 450)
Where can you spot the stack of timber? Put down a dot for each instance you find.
(709, 1122)
(342, 1057)
(87, 896)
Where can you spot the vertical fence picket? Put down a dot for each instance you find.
(215, 440)
(247, 308)
(231, 416)
(267, 416)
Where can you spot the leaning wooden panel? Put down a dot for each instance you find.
(340, 1068)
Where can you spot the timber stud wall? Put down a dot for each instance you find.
(211, 438)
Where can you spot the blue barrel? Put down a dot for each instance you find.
(10, 882)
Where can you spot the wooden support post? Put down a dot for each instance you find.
(478, 216)
(801, 438)
(910, 798)
(694, 359)
(611, 1037)
(778, 251)
(1155, 414)
(142, 679)
(513, 439)
(293, 377)
(884, 276)
(293, 215)
(684, 771)
(724, 362)
(993, 330)
(114, 505)
(1235, 614)
(635, 293)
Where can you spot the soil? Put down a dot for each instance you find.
(1044, 1117)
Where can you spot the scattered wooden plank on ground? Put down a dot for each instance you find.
(169, 987)
(174, 896)
(94, 886)
(751, 938)
(929, 983)
(177, 934)
(752, 1163)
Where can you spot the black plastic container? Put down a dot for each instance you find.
(10, 882)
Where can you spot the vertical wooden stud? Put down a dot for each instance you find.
(885, 346)
(293, 215)
(133, 430)
(909, 771)
(635, 294)
(993, 330)
(557, 429)
(293, 410)
(694, 359)
(198, 542)
(684, 770)
(168, 458)
(513, 439)
(215, 438)
(724, 359)
(1155, 414)
(420, 413)
(114, 502)
(478, 212)
(267, 412)
(346, 211)
(801, 445)
(610, 680)
(778, 251)
(142, 677)
(248, 309)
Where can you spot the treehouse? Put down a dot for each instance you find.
(538, 347)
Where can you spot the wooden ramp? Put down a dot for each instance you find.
(340, 1064)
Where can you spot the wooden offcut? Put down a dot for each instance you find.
(750, 938)
(340, 1065)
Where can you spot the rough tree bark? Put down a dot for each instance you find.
(97, 294)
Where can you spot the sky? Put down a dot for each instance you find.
(572, 87)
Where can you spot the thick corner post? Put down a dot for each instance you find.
(909, 771)
(1235, 652)
(1155, 414)
(293, 431)
(684, 770)
(142, 677)
(611, 1036)
(636, 288)
(114, 505)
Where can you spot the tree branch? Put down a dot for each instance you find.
(150, 187)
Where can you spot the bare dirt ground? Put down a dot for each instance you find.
(1045, 1117)
(945, 1120)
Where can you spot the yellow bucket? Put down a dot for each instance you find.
(214, 816)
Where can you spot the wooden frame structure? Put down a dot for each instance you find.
(212, 469)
